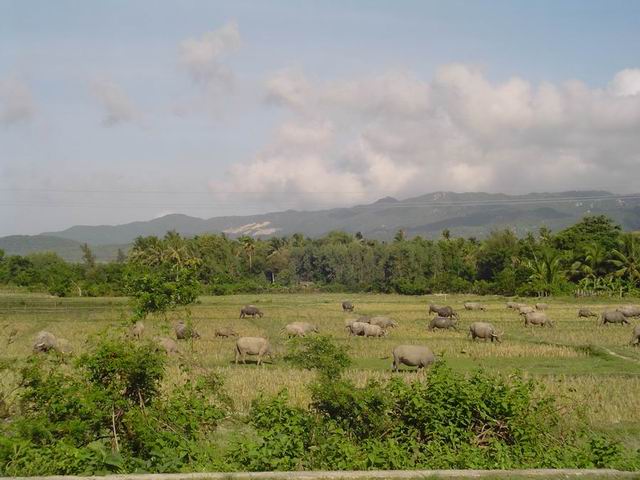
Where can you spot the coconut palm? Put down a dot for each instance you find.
(626, 258)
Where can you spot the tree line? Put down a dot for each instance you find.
(591, 257)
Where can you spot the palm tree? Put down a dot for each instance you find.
(547, 272)
(626, 258)
(593, 262)
(249, 246)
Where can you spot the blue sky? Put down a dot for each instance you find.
(306, 104)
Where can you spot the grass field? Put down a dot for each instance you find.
(585, 365)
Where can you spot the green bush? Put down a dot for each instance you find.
(447, 421)
(106, 414)
(319, 353)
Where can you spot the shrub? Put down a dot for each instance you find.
(319, 353)
(447, 421)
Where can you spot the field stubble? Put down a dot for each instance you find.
(571, 360)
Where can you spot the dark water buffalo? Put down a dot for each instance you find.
(586, 313)
(347, 307)
(445, 311)
(250, 311)
(444, 323)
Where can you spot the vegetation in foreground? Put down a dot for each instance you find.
(105, 412)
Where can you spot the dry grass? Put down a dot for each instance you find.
(607, 388)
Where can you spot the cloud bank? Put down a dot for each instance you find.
(16, 102)
(117, 106)
(396, 134)
(203, 57)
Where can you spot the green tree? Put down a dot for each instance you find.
(626, 259)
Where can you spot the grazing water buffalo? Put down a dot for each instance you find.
(167, 344)
(442, 311)
(474, 306)
(613, 316)
(413, 356)
(383, 322)
(356, 328)
(630, 311)
(515, 305)
(586, 313)
(442, 322)
(252, 346)
(225, 332)
(45, 341)
(250, 311)
(373, 331)
(299, 329)
(523, 310)
(483, 330)
(541, 306)
(347, 307)
(137, 330)
(537, 318)
(184, 331)
(635, 339)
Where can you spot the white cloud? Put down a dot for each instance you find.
(396, 134)
(626, 82)
(203, 57)
(118, 108)
(16, 102)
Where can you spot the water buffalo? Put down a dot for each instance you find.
(225, 332)
(299, 329)
(541, 306)
(373, 331)
(252, 346)
(613, 316)
(347, 307)
(413, 356)
(635, 339)
(523, 310)
(137, 330)
(537, 318)
(442, 322)
(44, 342)
(383, 322)
(515, 305)
(483, 330)
(586, 313)
(356, 328)
(630, 311)
(474, 306)
(184, 331)
(167, 344)
(250, 311)
(445, 311)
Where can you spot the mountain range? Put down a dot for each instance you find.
(463, 214)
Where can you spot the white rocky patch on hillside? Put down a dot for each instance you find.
(252, 229)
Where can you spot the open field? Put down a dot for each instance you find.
(587, 366)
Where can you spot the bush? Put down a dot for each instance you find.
(106, 414)
(319, 353)
(447, 421)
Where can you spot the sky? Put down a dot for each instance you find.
(117, 111)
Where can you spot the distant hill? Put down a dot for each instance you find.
(66, 248)
(463, 214)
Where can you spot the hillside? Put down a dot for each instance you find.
(66, 248)
(463, 214)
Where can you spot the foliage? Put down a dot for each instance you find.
(106, 414)
(164, 273)
(446, 421)
(319, 353)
